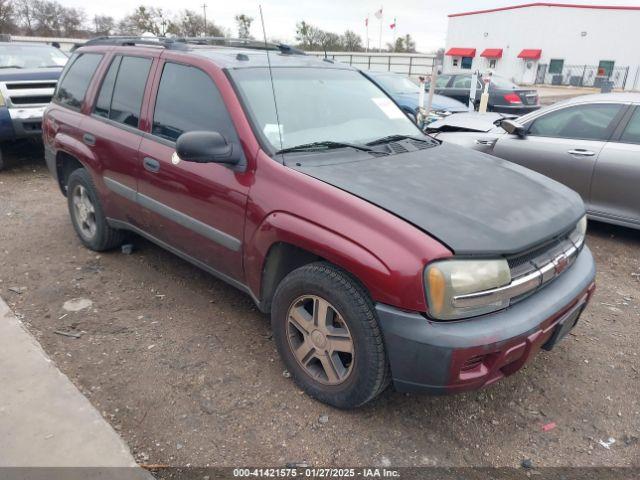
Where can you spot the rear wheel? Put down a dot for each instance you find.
(326, 331)
(86, 213)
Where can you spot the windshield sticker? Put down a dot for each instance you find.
(270, 131)
(388, 107)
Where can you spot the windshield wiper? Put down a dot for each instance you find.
(324, 145)
(10, 66)
(395, 138)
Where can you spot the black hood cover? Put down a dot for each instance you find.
(474, 203)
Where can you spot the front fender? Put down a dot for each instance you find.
(384, 284)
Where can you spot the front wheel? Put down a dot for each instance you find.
(326, 330)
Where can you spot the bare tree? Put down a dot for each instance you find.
(24, 14)
(103, 25)
(144, 19)
(7, 17)
(244, 25)
(351, 42)
(191, 24)
(309, 37)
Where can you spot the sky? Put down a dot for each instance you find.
(425, 20)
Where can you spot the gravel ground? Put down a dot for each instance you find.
(184, 367)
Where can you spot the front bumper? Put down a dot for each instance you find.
(456, 356)
(18, 123)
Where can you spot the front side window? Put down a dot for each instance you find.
(319, 105)
(188, 100)
(585, 122)
(76, 78)
(31, 56)
(128, 90)
(632, 132)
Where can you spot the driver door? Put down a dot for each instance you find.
(564, 144)
(197, 209)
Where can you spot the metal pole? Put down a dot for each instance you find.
(204, 11)
(432, 88)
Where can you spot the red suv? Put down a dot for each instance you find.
(382, 255)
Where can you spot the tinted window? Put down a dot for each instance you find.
(587, 122)
(632, 132)
(129, 89)
(103, 104)
(466, 63)
(188, 100)
(556, 65)
(76, 79)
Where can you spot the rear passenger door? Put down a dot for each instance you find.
(615, 189)
(198, 209)
(112, 132)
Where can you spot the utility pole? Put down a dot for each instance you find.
(204, 12)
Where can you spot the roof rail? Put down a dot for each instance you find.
(180, 43)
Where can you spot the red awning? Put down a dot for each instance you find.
(492, 53)
(461, 52)
(530, 54)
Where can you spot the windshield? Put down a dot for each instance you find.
(31, 56)
(397, 84)
(319, 105)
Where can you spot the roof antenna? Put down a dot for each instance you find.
(273, 88)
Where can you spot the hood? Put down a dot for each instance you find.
(469, 122)
(473, 203)
(440, 102)
(17, 74)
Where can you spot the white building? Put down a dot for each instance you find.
(549, 43)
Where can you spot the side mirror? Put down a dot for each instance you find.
(206, 147)
(514, 128)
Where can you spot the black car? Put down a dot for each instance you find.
(504, 95)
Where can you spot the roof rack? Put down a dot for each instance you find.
(181, 43)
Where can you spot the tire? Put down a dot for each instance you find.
(354, 378)
(101, 237)
(1, 160)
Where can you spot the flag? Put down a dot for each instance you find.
(393, 25)
(378, 14)
(366, 22)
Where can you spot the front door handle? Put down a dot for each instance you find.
(151, 164)
(581, 152)
(89, 139)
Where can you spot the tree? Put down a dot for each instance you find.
(409, 44)
(330, 41)
(145, 20)
(191, 24)
(244, 26)
(351, 42)
(24, 13)
(7, 17)
(308, 36)
(103, 25)
(72, 21)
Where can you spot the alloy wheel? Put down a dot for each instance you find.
(84, 212)
(320, 340)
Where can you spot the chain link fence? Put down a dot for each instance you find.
(583, 76)
(406, 63)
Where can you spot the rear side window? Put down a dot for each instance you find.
(128, 90)
(189, 100)
(75, 81)
(632, 132)
(585, 122)
(103, 104)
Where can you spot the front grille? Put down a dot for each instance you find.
(27, 93)
(32, 100)
(26, 86)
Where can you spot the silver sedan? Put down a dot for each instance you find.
(590, 143)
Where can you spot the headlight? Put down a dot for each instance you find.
(578, 234)
(447, 279)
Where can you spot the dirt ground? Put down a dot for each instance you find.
(184, 367)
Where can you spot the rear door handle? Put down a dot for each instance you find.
(151, 164)
(89, 139)
(581, 152)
